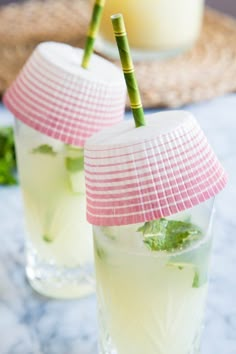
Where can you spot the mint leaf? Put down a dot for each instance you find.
(7, 156)
(172, 235)
(180, 234)
(169, 235)
(154, 233)
(44, 149)
(154, 227)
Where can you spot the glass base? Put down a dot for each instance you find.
(108, 349)
(110, 50)
(106, 345)
(59, 282)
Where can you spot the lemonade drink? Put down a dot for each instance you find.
(53, 187)
(151, 207)
(154, 25)
(152, 301)
(58, 104)
(150, 188)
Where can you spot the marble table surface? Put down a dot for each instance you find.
(32, 324)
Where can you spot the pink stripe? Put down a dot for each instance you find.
(154, 212)
(73, 101)
(161, 190)
(148, 215)
(37, 124)
(144, 158)
(53, 118)
(66, 119)
(156, 175)
(103, 172)
(157, 197)
(186, 133)
(152, 168)
(58, 73)
(78, 82)
(91, 93)
(21, 99)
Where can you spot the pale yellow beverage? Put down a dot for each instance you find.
(153, 26)
(59, 239)
(152, 301)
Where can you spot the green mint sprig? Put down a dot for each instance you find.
(44, 149)
(172, 235)
(169, 235)
(7, 157)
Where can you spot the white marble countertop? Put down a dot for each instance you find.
(31, 324)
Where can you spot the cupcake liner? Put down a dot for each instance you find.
(56, 96)
(141, 174)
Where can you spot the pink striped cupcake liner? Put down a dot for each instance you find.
(135, 175)
(56, 96)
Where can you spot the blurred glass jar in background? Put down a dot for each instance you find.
(156, 28)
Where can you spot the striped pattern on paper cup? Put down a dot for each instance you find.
(56, 96)
(141, 174)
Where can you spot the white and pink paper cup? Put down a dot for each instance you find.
(54, 95)
(135, 175)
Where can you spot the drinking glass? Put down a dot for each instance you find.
(151, 297)
(156, 29)
(59, 248)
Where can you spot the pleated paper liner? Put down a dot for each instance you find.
(56, 96)
(203, 73)
(140, 174)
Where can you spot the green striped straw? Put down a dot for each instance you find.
(128, 69)
(92, 31)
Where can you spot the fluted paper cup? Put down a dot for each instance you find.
(56, 96)
(141, 174)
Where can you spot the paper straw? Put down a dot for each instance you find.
(128, 69)
(92, 31)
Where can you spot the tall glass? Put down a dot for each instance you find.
(156, 28)
(59, 240)
(152, 283)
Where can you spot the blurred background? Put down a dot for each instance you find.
(227, 6)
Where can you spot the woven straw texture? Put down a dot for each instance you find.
(203, 73)
(24, 25)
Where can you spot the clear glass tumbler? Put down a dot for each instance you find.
(152, 283)
(59, 247)
(156, 29)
